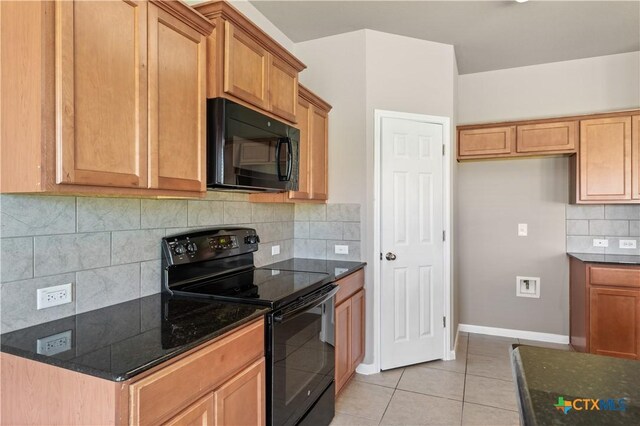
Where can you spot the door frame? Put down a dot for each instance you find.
(379, 115)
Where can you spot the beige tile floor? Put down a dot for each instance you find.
(475, 389)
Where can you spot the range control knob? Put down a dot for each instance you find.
(179, 249)
(251, 239)
(192, 248)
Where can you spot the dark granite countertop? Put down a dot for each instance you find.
(120, 341)
(545, 375)
(620, 259)
(337, 268)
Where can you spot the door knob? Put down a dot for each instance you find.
(390, 256)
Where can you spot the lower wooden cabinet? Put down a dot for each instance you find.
(241, 401)
(349, 327)
(197, 414)
(605, 309)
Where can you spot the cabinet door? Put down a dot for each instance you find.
(177, 103)
(303, 113)
(319, 131)
(635, 157)
(605, 159)
(357, 329)
(486, 142)
(246, 67)
(343, 344)
(199, 413)
(283, 89)
(101, 87)
(615, 322)
(241, 400)
(547, 137)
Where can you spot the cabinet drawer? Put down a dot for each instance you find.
(349, 285)
(170, 389)
(618, 277)
(486, 142)
(547, 137)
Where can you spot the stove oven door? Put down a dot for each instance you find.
(302, 365)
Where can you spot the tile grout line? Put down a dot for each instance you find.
(390, 399)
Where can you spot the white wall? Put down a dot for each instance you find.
(494, 196)
(361, 71)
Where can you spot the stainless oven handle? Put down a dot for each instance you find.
(311, 304)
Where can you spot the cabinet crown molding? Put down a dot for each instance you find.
(187, 14)
(222, 9)
(308, 95)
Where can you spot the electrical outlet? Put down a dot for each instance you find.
(522, 230)
(528, 287)
(341, 249)
(627, 244)
(600, 243)
(54, 296)
(54, 344)
(275, 272)
(275, 250)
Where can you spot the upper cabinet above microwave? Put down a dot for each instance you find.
(101, 97)
(249, 67)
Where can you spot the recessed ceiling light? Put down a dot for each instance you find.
(522, 1)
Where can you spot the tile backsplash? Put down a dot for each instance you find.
(610, 222)
(109, 248)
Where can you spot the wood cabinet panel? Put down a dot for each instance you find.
(614, 276)
(605, 159)
(357, 329)
(283, 89)
(246, 67)
(486, 142)
(319, 130)
(158, 395)
(349, 285)
(241, 401)
(635, 157)
(197, 414)
(101, 85)
(615, 322)
(343, 344)
(177, 97)
(304, 172)
(547, 137)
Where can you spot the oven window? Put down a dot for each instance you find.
(303, 358)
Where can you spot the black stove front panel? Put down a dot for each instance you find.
(262, 286)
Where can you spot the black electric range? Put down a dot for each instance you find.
(217, 264)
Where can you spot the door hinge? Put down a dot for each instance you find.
(443, 149)
(444, 322)
(444, 235)
(380, 256)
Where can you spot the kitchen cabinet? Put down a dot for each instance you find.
(604, 159)
(108, 98)
(249, 67)
(635, 157)
(218, 382)
(313, 123)
(492, 141)
(349, 327)
(605, 309)
(547, 137)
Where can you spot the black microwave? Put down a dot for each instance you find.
(249, 151)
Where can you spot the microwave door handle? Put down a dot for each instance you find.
(289, 159)
(278, 170)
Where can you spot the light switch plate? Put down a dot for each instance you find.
(600, 243)
(522, 230)
(275, 250)
(341, 249)
(627, 244)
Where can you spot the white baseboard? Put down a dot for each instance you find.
(367, 369)
(516, 334)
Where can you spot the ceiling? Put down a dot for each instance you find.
(487, 35)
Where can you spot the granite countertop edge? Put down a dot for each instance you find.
(610, 259)
(80, 368)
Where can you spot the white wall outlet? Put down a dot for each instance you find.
(275, 272)
(600, 243)
(528, 287)
(275, 250)
(627, 244)
(54, 344)
(522, 230)
(54, 296)
(339, 249)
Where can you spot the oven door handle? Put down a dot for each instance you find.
(315, 302)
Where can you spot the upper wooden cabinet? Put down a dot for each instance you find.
(313, 122)
(635, 157)
(604, 159)
(107, 98)
(488, 142)
(547, 137)
(249, 67)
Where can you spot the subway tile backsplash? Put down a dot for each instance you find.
(109, 248)
(610, 222)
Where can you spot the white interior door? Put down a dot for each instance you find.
(412, 225)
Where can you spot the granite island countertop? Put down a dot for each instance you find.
(120, 341)
(544, 375)
(616, 259)
(336, 268)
